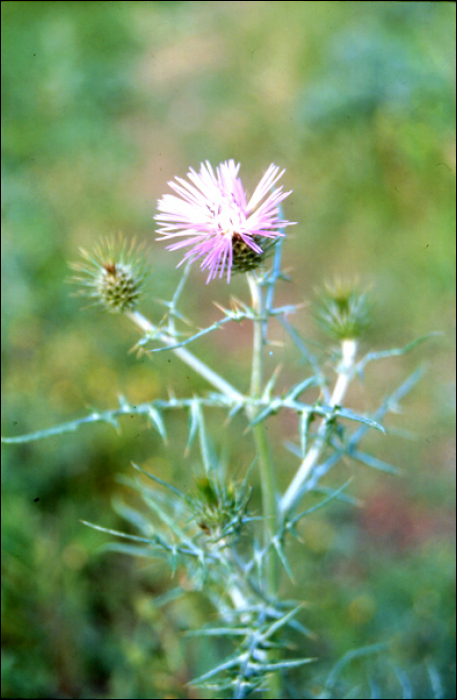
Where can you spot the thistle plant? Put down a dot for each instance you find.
(235, 554)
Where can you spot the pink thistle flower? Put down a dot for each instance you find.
(217, 221)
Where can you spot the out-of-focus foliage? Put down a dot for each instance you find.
(102, 103)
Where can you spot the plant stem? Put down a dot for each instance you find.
(267, 474)
(197, 365)
(294, 492)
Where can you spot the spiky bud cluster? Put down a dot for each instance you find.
(342, 310)
(113, 275)
(218, 508)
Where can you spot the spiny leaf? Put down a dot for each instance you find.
(301, 387)
(133, 516)
(71, 426)
(193, 424)
(111, 416)
(394, 352)
(109, 531)
(350, 415)
(236, 408)
(271, 382)
(133, 551)
(347, 658)
(198, 423)
(435, 681)
(293, 663)
(280, 551)
(328, 412)
(169, 521)
(169, 596)
(301, 345)
(233, 661)
(173, 489)
(393, 398)
(404, 682)
(157, 421)
(334, 494)
(273, 407)
(124, 405)
(346, 498)
(373, 462)
(273, 627)
(219, 631)
(181, 344)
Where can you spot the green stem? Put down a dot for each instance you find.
(267, 474)
(257, 352)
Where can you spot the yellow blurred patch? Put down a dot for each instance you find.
(362, 609)
(317, 535)
(74, 556)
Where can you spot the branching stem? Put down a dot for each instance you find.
(345, 373)
(197, 365)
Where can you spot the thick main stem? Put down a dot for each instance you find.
(267, 474)
(293, 493)
(268, 481)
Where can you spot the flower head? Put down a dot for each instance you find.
(113, 274)
(215, 219)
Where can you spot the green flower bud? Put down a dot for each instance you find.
(218, 508)
(342, 310)
(113, 275)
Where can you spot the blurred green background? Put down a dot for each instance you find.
(102, 104)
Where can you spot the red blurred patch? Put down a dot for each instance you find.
(391, 520)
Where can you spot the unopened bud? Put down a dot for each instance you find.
(113, 275)
(342, 310)
(218, 508)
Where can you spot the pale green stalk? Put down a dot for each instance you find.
(267, 474)
(345, 372)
